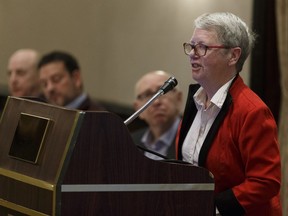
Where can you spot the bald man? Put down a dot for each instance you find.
(23, 78)
(162, 116)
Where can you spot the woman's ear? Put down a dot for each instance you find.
(235, 55)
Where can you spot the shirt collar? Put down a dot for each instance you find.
(217, 99)
(167, 138)
(77, 102)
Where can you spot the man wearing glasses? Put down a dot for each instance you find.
(162, 116)
(226, 127)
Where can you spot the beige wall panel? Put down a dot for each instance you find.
(115, 41)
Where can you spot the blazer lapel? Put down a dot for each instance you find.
(188, 117)
(213, 130)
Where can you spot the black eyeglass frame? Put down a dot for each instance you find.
(193, 46)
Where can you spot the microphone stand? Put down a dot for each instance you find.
(138, 112)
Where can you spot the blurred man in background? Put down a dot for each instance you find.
(23, 78)
(62, 83)
(162, 116)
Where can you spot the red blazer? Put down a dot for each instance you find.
(241, 151)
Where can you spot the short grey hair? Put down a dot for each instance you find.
(231, 31)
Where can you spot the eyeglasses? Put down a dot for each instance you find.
(145, 96)
(199, 49)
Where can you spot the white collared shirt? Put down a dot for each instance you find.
(203, 122)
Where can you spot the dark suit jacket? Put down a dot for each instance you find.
(90, 105)
(137, 136)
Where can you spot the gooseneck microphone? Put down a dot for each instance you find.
(167, 86)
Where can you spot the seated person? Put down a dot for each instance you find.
(62, 83)
(162, 116)
(23, 78)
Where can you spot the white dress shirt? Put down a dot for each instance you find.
(203, 121)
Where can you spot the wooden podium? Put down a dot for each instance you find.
(55, 161)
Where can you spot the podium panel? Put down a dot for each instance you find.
(87, 164)
(29, 184)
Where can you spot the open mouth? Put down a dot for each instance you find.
(196, 65)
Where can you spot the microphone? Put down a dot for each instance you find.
(167, 86)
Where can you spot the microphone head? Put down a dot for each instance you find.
(173, 81)
(169, 85)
